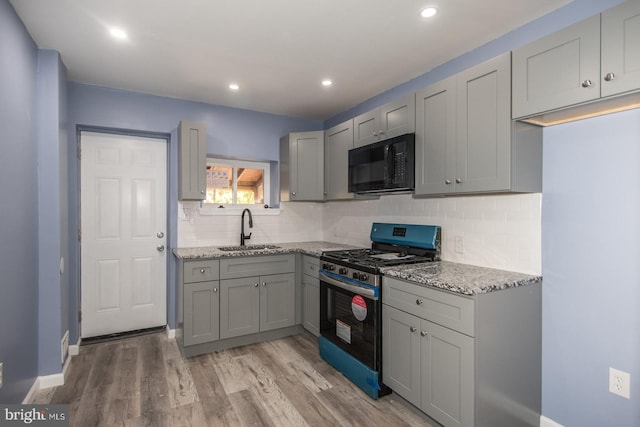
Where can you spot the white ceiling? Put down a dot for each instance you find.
(278, 51)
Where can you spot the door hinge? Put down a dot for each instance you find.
(80, 236)
(79, 316)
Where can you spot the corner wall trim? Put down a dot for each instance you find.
(548, 422)
(74, 350)
(171, 333)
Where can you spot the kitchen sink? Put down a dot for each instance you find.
(248, 248)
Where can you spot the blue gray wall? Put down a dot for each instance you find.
(53, 233)
(19, 210)
(230, 132)
(591, 269)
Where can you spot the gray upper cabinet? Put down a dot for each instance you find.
(593, 59)
(192, 161)
(620, 71)
(392, 119)
(302, 166)
(466, 141)
(337, 142)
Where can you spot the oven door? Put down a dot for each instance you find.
(350, 317)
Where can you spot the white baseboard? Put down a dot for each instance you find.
(548, 422)
(48, 381)
(171, 333)
(74, 350)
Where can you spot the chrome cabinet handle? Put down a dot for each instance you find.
(447, 181)
(160, 248)
(413, 329)
(458, 181)
(202, 270)
(424, 333)
(419, 302)
(609, 77)
(586, 83)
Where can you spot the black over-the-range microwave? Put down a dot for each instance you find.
(383, 167)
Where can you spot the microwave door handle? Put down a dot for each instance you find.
(389, 159)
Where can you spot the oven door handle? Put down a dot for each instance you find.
(365, 292)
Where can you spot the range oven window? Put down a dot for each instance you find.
(351, 322)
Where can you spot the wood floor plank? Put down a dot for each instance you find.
(145, 381)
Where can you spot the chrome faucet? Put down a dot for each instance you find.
(242, 235)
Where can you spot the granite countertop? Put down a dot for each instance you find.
(308, 248)
(460, 278)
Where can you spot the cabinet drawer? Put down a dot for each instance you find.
(201, 271)
(443, 308)
(310, 265)
(231, 268)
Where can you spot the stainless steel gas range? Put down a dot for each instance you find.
(350, 304)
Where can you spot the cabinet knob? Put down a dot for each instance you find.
(255, 285)
(458, 181)
(609, 77)
(264, 284)
(202, 270)
(419, 302)
(375, 134)
(424, 333)
(201, 191)
(293, 193)
(586, 83)
(413, 329)
(447, 181)
(381, 132)
(215, 289)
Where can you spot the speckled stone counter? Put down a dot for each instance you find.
(308, 248)
(460, 278)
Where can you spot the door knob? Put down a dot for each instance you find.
(160, 248)
(160, 235)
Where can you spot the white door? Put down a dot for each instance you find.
(123, 233)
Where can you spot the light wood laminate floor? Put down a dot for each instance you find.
(145, 381)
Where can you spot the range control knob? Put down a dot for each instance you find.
(328, 267)
(342, 270)
(363, 277)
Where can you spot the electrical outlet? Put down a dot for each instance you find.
(619, 383)
(1, 374)
(458, 244)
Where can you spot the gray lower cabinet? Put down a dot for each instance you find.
(192, 161)
(593, 59)
(311, 295)
(464, 360)
(466, 141)
(199, 311)
(257, 294)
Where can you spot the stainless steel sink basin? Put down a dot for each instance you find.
(248, 248)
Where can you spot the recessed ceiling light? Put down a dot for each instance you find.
(118, 33)
(234, 86)
(428, 12)
(327, 82)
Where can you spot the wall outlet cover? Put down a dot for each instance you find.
(619, 383)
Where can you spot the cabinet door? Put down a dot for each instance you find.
(277, 301)
(366, 128)
(239, 307)
(337, 142)
(436, 138)
(448, 385)
(401, 353)
(558, 70)
(201, 312)
(483, 127)
(398, 117)
(311, 304)
(307, 166)
(621, 49)
(192, 161)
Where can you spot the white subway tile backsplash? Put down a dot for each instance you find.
(502, 231)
